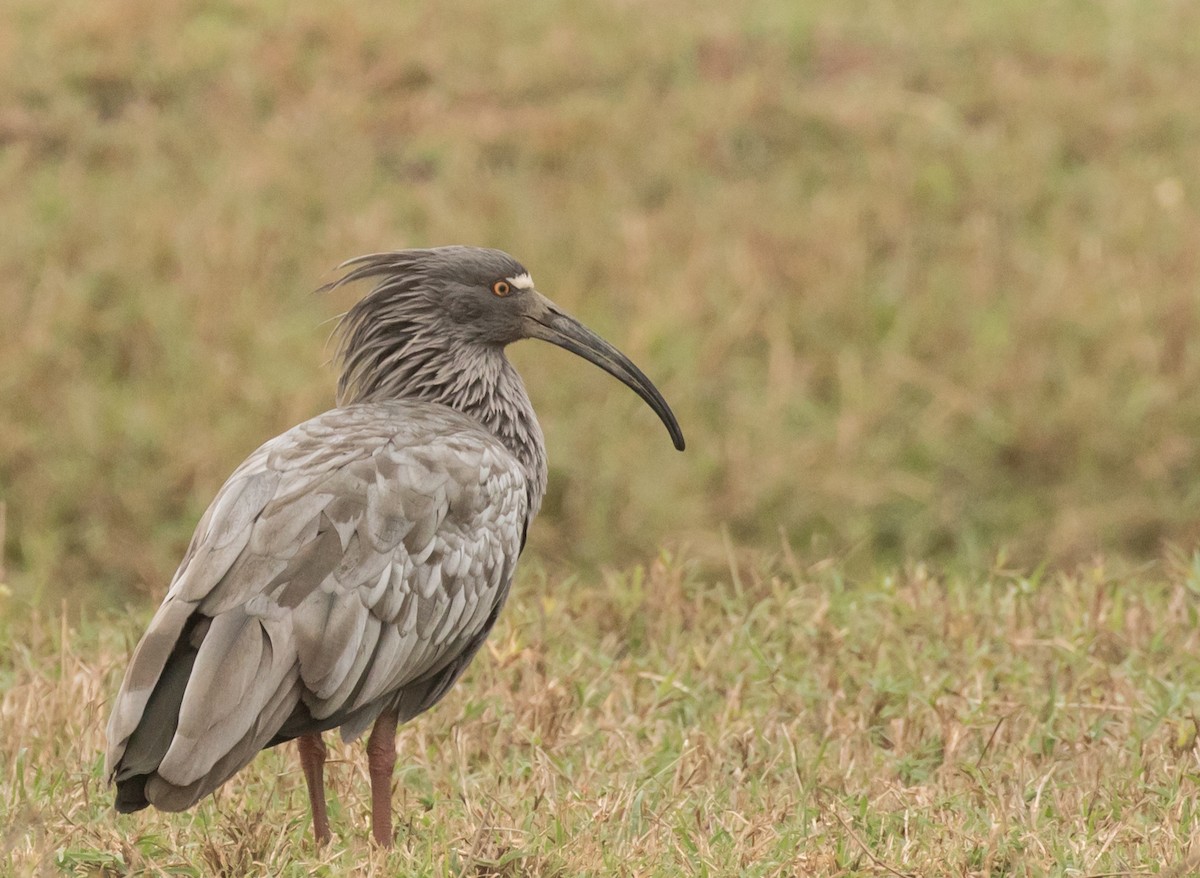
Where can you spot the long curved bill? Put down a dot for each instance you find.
(552, 325)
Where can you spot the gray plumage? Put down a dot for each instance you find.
(353, 566)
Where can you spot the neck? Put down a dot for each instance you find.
(476, 380)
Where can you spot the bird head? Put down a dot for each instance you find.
(470, 296)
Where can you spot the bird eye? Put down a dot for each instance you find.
(501, 288)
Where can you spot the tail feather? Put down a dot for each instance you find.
(152, 737)
(170, 630)
(257, 698)
(241, 665)
(166, 796)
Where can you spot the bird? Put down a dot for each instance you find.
(350, 569)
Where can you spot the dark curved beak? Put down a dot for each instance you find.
(550, 324)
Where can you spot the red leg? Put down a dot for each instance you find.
(312, 760)
(381, 761)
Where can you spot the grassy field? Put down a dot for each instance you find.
(776, 721)
(920, 281)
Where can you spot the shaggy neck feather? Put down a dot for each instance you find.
(397, 359)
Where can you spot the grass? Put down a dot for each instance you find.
(919, 280)
(919, 285)
(773, 719)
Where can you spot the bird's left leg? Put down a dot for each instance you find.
(381, 761)
(312, 760)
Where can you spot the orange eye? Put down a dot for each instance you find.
(501, 288)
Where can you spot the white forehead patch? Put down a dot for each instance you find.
(522, 281)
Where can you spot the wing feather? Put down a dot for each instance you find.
(356, 561)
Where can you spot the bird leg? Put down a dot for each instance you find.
(312, 760)
(381, 761)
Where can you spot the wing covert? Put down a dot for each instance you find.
(357, 554)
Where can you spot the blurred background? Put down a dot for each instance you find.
(920, 280)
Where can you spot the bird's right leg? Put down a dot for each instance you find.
(381, 761)
(312, 760)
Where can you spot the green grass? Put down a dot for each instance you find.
(771, 720)
(920, 281)
(918, 284)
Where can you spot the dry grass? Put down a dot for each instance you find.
(777, 721)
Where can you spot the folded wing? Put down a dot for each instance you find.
(355, 562)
